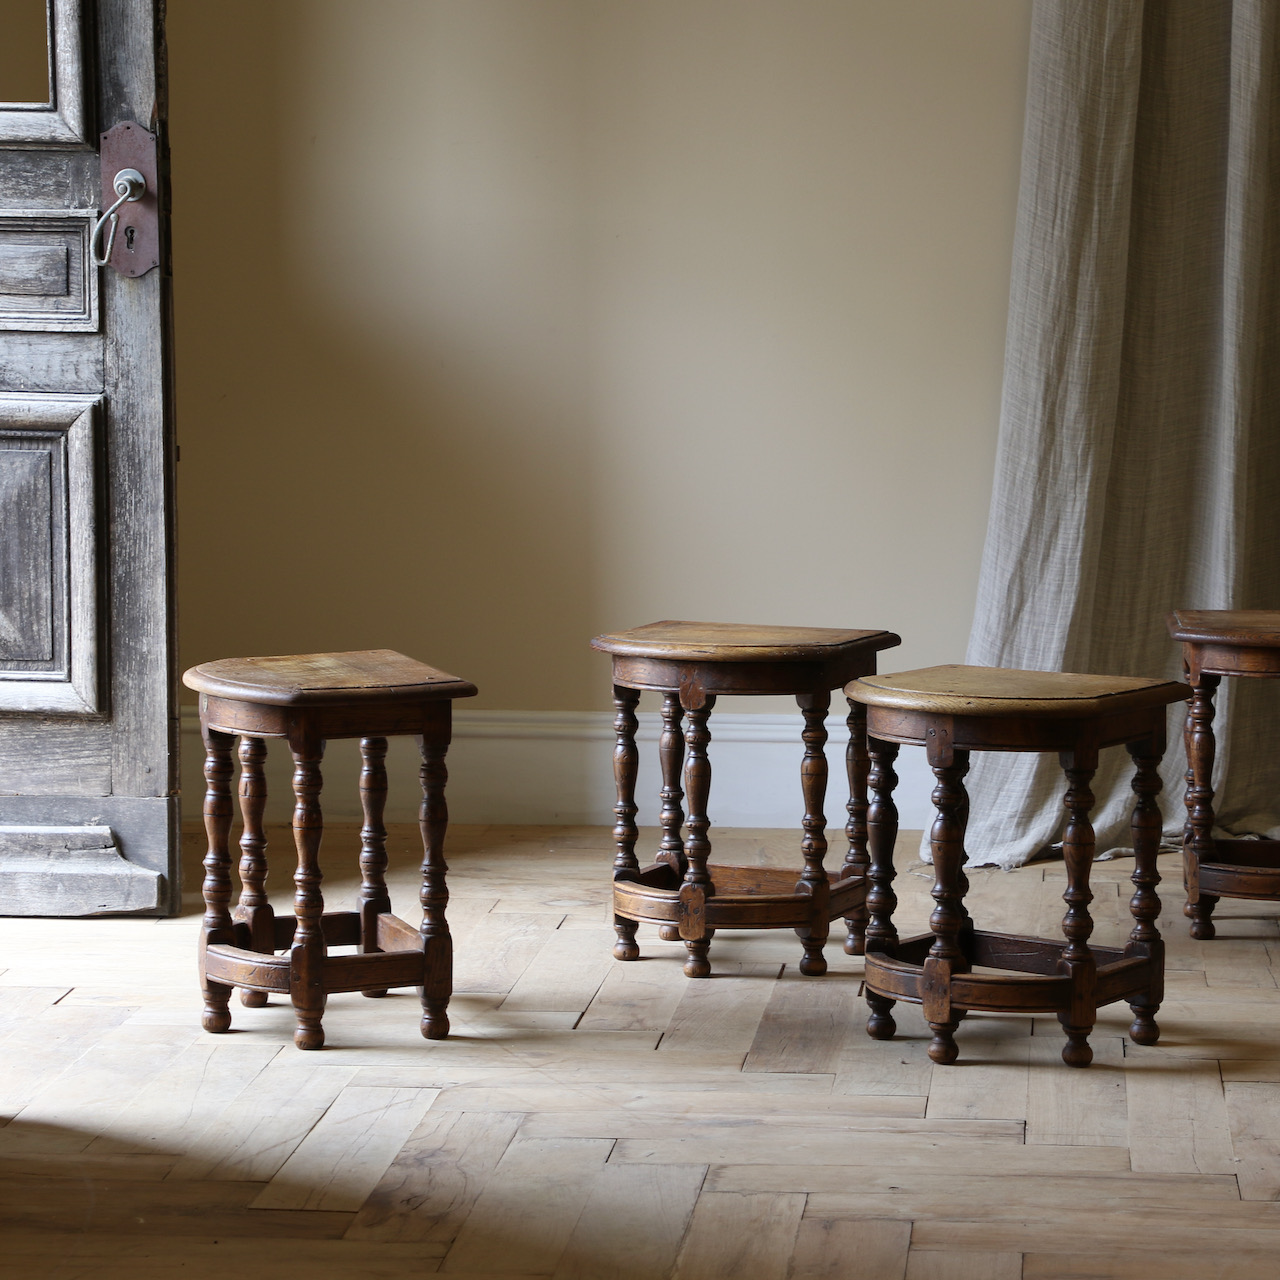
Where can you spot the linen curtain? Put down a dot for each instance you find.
(1138, 465)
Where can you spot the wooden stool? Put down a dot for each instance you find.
(690, 663)
(951, 711)
(1217, 643)
(306, 699)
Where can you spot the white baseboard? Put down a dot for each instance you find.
(556, 768)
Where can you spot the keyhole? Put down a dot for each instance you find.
(128, 238)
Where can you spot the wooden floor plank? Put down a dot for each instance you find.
(343, 1158)
(633, 1223)
(565, 974)
(834, 1248)
(523, 1220)
(1130, 1234)
(805, 1025)
(1254, 1111)
(916, 1196)
(199, 1085)
(1154, 1264)
(263, 1125)
(436, 1178)
(721, 1013)
(924, 1264)
(640, 995)
(112, 1256)
(1177, 1114)
(1072, 1107)
(991, 1079)
(735, 1235)
(506, 945)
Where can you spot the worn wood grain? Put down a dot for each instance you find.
(735, 1235)
(829, 1248)
(432, 1185)
(343, 1158)
(525, 1217)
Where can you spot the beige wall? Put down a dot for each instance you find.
(503, 322)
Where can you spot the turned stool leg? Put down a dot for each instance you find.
(1077, 960)
(882, 835)
(626, 764)
(856, 861)
(949, 917)
(374, 898)
(217, 926)
(671, 817)
(253, 907)
(697, 848)
(307, 954)
(813, 880)
(437, 943)
(1144, 906)
(1198, 833)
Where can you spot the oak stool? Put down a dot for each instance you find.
(305, 699)
(1217, 643)
(690, 664)
(951, 711)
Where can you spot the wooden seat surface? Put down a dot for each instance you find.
(739, 642)
(1255, 627)
(1002, 691)
(303, 679)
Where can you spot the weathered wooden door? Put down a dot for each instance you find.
(88, 807)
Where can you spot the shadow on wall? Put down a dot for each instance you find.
(340, 489)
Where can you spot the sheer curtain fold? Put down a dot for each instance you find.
(1138, 468)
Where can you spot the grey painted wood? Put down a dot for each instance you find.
(51, 554)
(71, 871)
(52, 363)
(27, 181)
(47, 756)
(28, 570)
(143, 827)
(117, 768)
(41, 271)
(46, 280)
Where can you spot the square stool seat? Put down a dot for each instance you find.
(369, 694)
(951, 711)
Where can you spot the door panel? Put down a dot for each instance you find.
(46, 279)
(49, 579)
(88, 803)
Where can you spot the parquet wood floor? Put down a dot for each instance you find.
(590, 1120)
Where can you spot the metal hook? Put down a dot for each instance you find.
(129, 185)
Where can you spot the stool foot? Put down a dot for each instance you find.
(375, 995)
(216, 1020)
(813, 963)
(216, 1016)
(309, 1037)
(252, 999)
(1144, 1029)
(625, 948)
(880, 1023)
(855, 943)
(697, 965)
(1076, 1052)
(669, 933)
(943, 1048)
(435, 1021)
(1202, 927)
